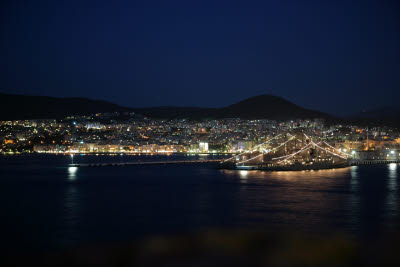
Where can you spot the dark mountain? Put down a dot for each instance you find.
(269, 106)
(15, 107)
(258, 107)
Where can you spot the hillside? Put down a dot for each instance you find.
(259, 107)
(15, 107)
(269, 106)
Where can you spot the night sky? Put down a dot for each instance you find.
(333, 56)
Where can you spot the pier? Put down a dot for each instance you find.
(139, 163)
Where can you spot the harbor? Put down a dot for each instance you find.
(283, 152)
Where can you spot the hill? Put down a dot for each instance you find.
(259, 107)
(16, 107)
(269, 106)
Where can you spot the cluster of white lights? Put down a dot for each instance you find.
(292, 155)
(295, 152)
(340, 156)
(299, 140)
(304, 148)
(335, 149)
(267, 151)
(254, 148)
(286, 156)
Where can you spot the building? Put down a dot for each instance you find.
(203, 147)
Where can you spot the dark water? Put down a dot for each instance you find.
(46, 204)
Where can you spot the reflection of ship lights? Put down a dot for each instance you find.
(392, 166)
(243, 174)
(72, 173)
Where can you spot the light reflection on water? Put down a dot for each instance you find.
(243, 174)
(72, 173)
(295, 176)
(309, 176)
(359, 198)
(71, 208)
(354, 198)
(304, 199)
(392, 188)
(71, 214)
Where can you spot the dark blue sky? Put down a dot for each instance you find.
(334, 56)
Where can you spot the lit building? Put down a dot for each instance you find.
(203, 147)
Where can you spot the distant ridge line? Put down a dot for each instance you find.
(271, 107)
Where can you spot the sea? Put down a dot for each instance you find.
(47, 203)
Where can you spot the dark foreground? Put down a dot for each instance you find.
(225, 248)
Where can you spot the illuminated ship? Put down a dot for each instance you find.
(289, 152)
